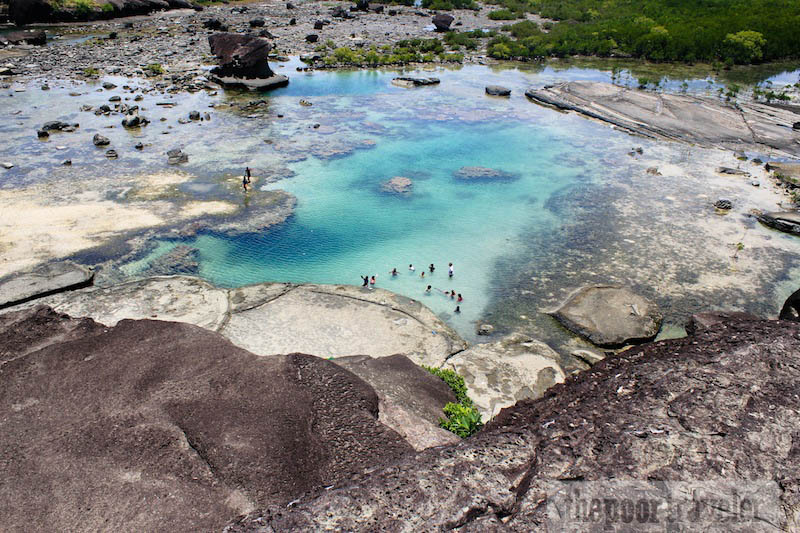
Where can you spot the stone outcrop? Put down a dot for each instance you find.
(28, 11)
(791, 308)
(405, 81)
(788, 222)
(277, 318)
(692, 119)
(717, 410)
(609, 316)
(442, 22)
(397, 185)
(410, 398)
(242, 60)
(499, 374)
(34, 37)
(162, 426)
(43, 281)
(497, 90)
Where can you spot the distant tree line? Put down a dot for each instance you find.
(731, 31)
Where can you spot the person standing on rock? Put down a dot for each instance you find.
(246, 178)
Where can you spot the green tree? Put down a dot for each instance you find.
(744, 47)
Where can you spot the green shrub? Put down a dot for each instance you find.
(107, 8)
(83, 7)
(461, 419)
(154, 69)
(91, 72)
(502, 14)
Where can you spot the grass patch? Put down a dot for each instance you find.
(154, 69)
(91, 72)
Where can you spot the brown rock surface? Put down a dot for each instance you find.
(162, 426)
(720, 407)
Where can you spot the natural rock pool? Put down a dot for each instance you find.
(572, 201)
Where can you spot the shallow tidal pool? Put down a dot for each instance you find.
(571, 202)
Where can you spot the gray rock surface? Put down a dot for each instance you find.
(692, 119)
(718, 410)
(278, 318)
(161, 426)
(609, 316)
(414, 82)
(497, 90)
(501, 373)
(411, 398)
(43, 281)
(788, 222)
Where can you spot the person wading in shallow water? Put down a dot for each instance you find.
(246, 178)
(366, 280)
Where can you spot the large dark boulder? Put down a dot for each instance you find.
(791, 308)
(716, 413)
(242, 60)
(163, 426)
(34, 37)
(442, 22)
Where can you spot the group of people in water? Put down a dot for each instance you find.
(369, 281)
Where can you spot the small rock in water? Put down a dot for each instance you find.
(114, 99)
(755, 183)
(194, 115)
(723, 203)
(108, 86)
(112, 154)
(67, 162)
(485, 329)
(497, 90)
(176, 156)
(654, 171)
(100, 140)
(732, 171)
(305, 103)
(42, 134)
(7, 165)
(139, 146)
(45, 87)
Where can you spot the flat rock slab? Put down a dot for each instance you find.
(335, 321)
(45, 280)
(610, 316)
(703, 121)
(788, 222)
(499, 374)
(277, 318)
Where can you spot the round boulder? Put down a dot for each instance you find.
(610, 316)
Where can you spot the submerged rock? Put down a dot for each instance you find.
(732, 171)
(242, 60)
(610, 316)
(180, 260)
(168, 427)
(176, 156)
(501, 373)
(482, 173)
(100, 140)
(724, 204)
(398, 185)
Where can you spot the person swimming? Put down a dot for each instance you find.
(372, 280)
(458, 309)
(450, 270)
(431, 268)
(459, 299)
(452, 294)
(422, 275)
(428, 289)
(393, 272)
(366, 280)
(411, 268)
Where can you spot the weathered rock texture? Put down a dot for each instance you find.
(788, 222)
(242, 59)
(693, 119)
(791, 308)
(43, 281)
(610, 316)
(719, 407)
(411, 398)
(161, 426)
(499, 374)
(278, 318)
(482, 173)
(27, 11)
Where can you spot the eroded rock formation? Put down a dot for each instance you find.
(242, 60)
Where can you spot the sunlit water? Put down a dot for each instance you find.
(496, 232)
